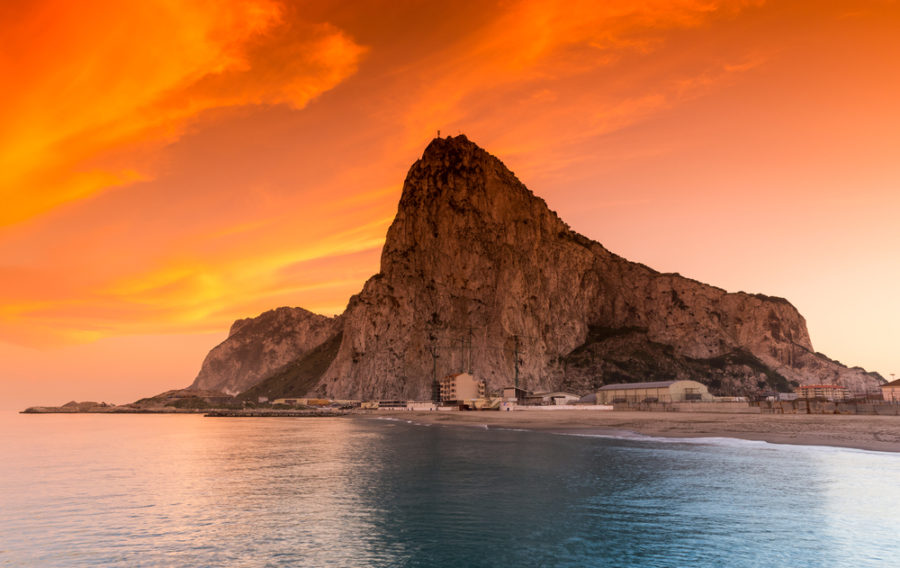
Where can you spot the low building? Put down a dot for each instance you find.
(659, 391)
(590, 398)
(292, 401)
(461, 387)
(549, 399)
(822, 392)
(298, 401)
(391, 404)
(891, 391)
(383, 405)
(514, 393)
(420, 406)
(561, 398)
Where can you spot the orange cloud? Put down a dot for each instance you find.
(650, 125)
(97, 86)
(571, 70)
(534, 67)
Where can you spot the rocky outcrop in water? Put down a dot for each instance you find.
(477, 273)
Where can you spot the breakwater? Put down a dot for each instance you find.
(267, 413)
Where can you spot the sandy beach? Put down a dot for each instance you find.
(877, 433)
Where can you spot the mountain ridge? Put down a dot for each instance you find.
(477, 270)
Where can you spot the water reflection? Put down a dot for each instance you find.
(152, 490)
(467, 497)
(859, 504)
(186, 490)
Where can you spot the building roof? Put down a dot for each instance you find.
(456, 375)
(892, 384)
(546, 394)
(629, 386)
(822, 387)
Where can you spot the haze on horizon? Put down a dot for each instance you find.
(167, 168)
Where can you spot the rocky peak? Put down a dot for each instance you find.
(458, 198)
(273, 319)
(257, 347)
(478, 274)
(474, 259)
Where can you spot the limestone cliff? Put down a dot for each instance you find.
(475, 269)
(477, 273)
(258, 347)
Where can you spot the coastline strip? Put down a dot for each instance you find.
(874, 433)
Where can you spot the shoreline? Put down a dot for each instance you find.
(871, 433)
(861, 432)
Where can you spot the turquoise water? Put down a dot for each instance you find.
(95, 490)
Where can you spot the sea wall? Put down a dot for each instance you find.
(824, 407)
(552, 408)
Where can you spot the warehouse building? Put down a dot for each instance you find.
(659, 391)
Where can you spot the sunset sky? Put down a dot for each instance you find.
(169, 166)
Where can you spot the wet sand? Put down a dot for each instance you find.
(878, 433)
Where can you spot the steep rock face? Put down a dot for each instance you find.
(476, 269)
(257, 347)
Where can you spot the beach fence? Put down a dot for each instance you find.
(713, 407)
(802, 406)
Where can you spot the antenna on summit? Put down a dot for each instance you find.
(439, 134)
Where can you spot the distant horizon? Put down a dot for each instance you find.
(168, 171)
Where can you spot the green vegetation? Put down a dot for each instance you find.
(190, 402)
(627, 355)
(620, 355)
(300, 376)
(774, 380)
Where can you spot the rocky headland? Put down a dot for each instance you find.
(477, 273)
(258, 347)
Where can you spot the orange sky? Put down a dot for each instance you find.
(169, 166)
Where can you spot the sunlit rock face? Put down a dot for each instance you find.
(257, 347)
(474, 259)
(477, 273)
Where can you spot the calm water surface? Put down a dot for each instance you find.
(151, 490)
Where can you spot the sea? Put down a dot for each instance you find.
(185, 490)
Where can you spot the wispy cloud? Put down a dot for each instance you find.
(97, 87)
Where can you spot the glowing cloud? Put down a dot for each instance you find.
(99, 85)
(167, 166)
